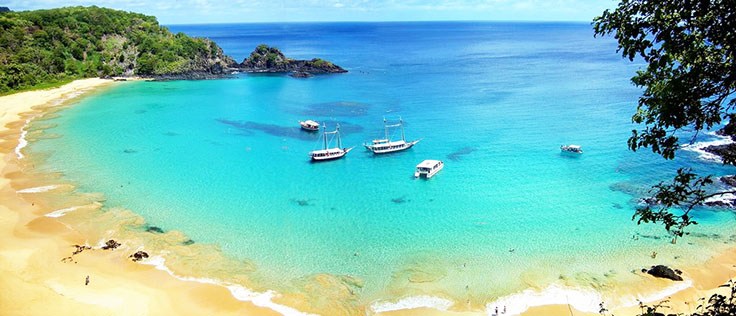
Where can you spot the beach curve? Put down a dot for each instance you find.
(30, 257)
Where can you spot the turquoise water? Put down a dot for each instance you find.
(224, 160)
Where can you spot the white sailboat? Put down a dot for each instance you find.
(385, 145)
(327, 153)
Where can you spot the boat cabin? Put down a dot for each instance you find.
(428, 168)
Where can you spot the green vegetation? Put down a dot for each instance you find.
(319, 63)
(689, 83)
(43, 47)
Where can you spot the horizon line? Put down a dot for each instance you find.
(389, 21)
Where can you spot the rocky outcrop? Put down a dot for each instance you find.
(4, 9)
(138, 256)
(729, 180)
(661, 271)
(725, 150)
(271, 60)
(110, 245)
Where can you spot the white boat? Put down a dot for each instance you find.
(327, 153)
(575, 149)
(385, 145)
(309, 125)
(428, 168)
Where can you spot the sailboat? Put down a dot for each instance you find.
(385, 145)
(329, 153)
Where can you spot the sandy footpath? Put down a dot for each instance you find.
(36, 279)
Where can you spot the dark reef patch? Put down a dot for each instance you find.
(400, 200)
(458, 154)
(247, 128)
(155, 230)
(302, 202)
(130, 151)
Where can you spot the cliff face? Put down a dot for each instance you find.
(272, 60)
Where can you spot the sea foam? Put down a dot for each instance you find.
(239, 292)
(699, 147)
(411, 302)
(583, 300)
(61, 212)
(40, 189)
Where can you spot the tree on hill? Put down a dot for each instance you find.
(689, 83)
(49, 45)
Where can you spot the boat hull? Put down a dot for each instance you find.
(392, 149)
(330, 156)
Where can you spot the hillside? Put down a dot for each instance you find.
(43, 46)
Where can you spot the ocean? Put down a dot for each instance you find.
(225, 163)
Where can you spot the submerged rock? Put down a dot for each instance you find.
(729, 180)
(155, 229)
(664, 272)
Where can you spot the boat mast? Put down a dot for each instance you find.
(324, 134)
(401, 122)
(337, 131)
(385, 127)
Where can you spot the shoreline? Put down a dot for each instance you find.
(94, 282)
(32, 240)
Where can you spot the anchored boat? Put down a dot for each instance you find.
(385, 145)
(327, 153)
(575, 149)
(428, 168)
(309, 125)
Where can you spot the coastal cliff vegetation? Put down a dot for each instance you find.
(56, 45)
(270, 59)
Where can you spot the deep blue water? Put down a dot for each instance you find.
(224, 161)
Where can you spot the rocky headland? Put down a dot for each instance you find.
(266, 59)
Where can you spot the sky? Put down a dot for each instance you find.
(249, 11)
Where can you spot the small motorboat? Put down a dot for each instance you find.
(309, 125)
(428, 168)
(575, 149)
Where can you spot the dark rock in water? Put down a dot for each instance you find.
(729, 180)
(130, 151)
(111, 244)
(399, 200)
(301, 74)
(664, 272)
(272, 60)
(726, 150)
(138, 256)
(302, 202)
(720, 203)
(457, 155)
(188, 242)
(154, 229)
